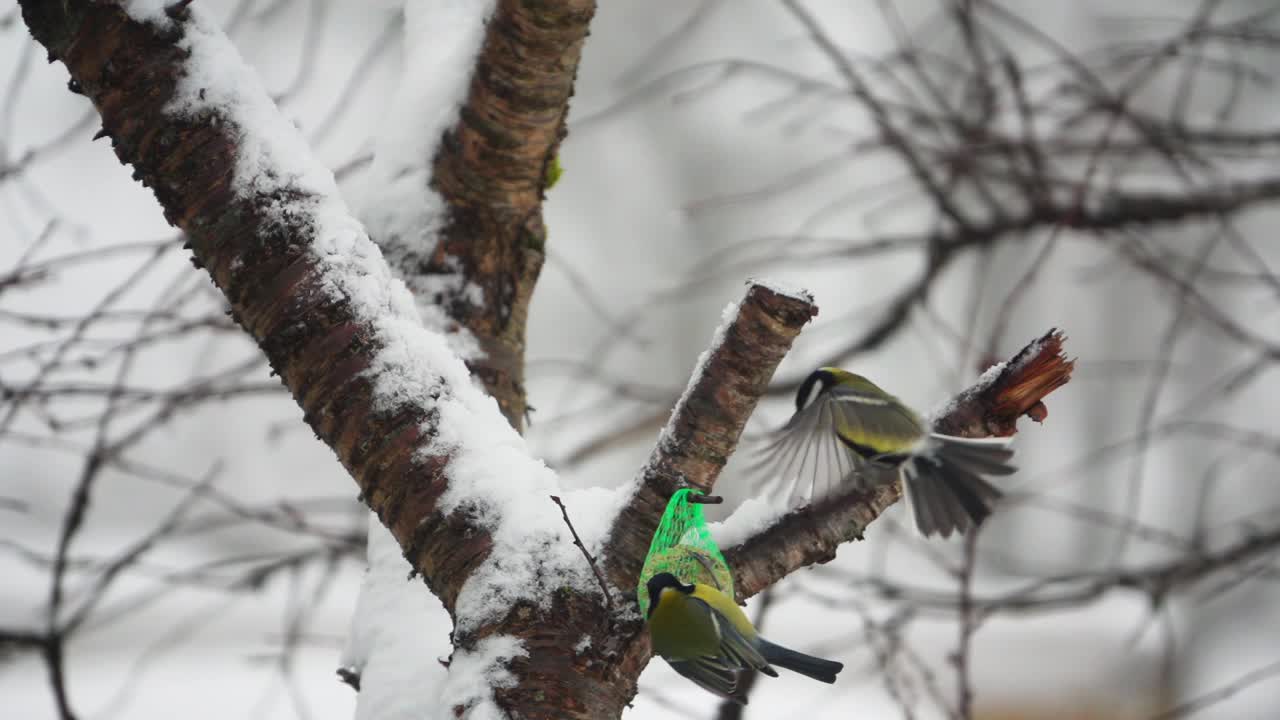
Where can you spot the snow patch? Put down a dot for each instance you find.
(148, 11)
(388, 643)
(794, 292)
(727, 316)
(399, 208)
(949, 406)
(473, 676)
(752, 517)
(534, 555)
(273, 156)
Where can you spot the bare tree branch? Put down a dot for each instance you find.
(708, 419)
(492, 171)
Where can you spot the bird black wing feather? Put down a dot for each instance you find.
(711, 677)
(736, 651)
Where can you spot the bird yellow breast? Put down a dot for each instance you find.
(679, 631)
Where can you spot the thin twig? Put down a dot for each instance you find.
(595, 570)
(1213, 697)
(968, 626)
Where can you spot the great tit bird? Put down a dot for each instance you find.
(846, 430)
(707, 638)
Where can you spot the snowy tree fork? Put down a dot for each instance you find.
(258, 255)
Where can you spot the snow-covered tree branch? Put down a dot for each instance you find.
(394, 310)
(462, 164)
(432, 455)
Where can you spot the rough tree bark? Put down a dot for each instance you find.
(706, 424)
(323, 349)
(491, 170)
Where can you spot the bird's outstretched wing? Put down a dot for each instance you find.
(804, 459)
(832, 442)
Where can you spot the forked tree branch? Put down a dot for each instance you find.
(705, 426)
(709, 418)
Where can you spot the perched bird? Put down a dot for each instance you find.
(707, 638)
(847, 431)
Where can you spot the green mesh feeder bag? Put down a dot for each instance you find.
(682, 546)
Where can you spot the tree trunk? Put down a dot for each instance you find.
(324, 327)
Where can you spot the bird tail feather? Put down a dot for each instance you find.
(814, 667)
(945, 484)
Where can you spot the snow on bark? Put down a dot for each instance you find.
(389, 646)
(402, 212)
(492, 478)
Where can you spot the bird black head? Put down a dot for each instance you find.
(660, 582)
(817, 383)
